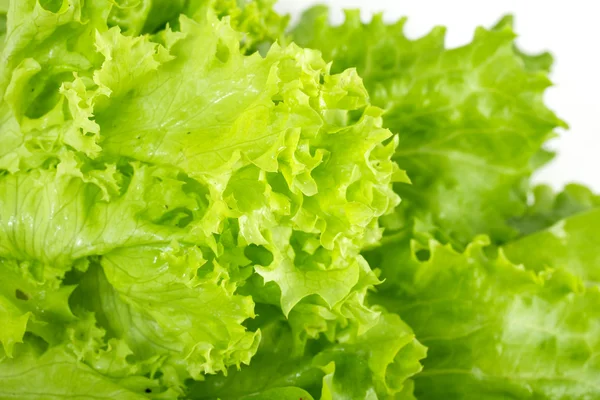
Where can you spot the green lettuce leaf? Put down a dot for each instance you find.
(570, 244)
(275, 365)
(493, 329)
(45, 46)
(260, 25)
(41, 203)
(157, 188)
(136, 17)
(33, 299)
(470, 121)
(375, 365)
(56, 374)
(549, 207)
(14, 324)
(256, 20)
(150, 298)
(194, 208)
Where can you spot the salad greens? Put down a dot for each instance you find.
(199, 201)
(470, 120)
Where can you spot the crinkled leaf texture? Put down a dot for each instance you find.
(470, 121)
(494, 329)
(156, 189)
(257, 22)
(56, 373)
(376, 365)
(471, 124)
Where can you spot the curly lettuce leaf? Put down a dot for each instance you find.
(56, 374)
(45, 46)
(312, 183)
(41, 203)
(162, 186)
(375, 365)
(493, 329)
(378, 365)
(275, 365)
(135, 17)
(470, 121)
(257, 22)
(54, 42)
(32, 299)
(151, 299)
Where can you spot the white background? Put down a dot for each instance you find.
(569, 30)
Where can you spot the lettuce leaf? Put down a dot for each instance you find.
(471, 124)
(549, 207)
(56, 374)
(493, 329)
(193, 207)
(377, 364)
(256, 20)
(570, 244)
(157, 188)
(471, 121)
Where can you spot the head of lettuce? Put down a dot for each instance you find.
(176, 206)
(188, 202)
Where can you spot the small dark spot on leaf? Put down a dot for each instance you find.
(32, 89)
(19, 294)
(51, 5)
(148, 390)
(139, 137)
(189, 133)
(166, 206)
(423, 255)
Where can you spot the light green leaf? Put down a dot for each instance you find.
(256, 21)
(13, 323)
(43, 50)
(494, 330)
(141, 296)
(375, 365)
(35, 297)
(533, 62)
(160, 186)
(259, 24)
(549, 207)
(278, 126)
(275, 366)
(41, 203)
(571, 244)
(135, 17)
(470, 121)
(56, 374)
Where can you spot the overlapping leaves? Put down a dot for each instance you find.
(161, 186)
(470, 121)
